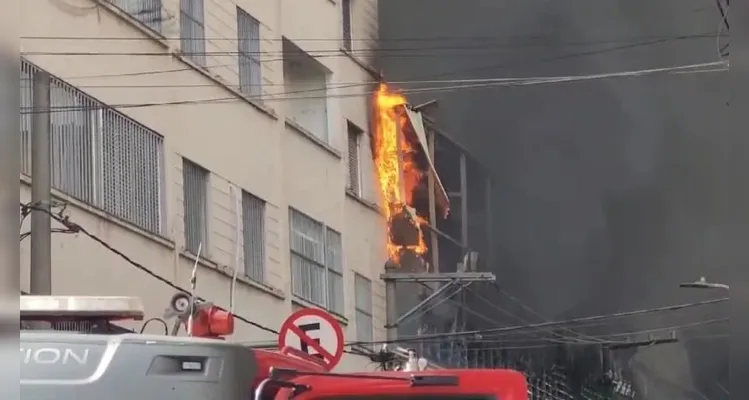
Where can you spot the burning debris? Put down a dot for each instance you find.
(399, 175)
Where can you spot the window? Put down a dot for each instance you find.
(248, 32)
(195, 198)
(73, 133)
(99, 156)
(253, 234)
(316, 262)
(354, 163)
(307, 79)
(346, 22)
(147, 12)
(364, 322)
(192, 30)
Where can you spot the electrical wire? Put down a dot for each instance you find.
(487, 83)
(626, 45)
(576, 335)
(520, 80)
(549, 324)
(601, 339)
(155, 319)
(508, 41)
(69, 224)
(73, 227)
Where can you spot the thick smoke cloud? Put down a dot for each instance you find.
(608, 193)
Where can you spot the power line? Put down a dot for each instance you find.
(76, 228)
(543, 79)
(541, 60)
(627, 45)
(409, 52)
(550, 324)
(529, 309)
(479, 84)
(510, 41)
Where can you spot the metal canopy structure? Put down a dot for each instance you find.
(461, 280)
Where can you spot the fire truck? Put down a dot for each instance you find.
(72, 348)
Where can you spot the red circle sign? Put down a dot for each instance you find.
(314, 332)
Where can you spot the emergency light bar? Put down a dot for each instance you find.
(110, 308)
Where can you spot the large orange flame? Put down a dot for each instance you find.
(397, 171)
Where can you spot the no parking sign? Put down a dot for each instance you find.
(314, 332)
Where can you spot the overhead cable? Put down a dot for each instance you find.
(480, 84)
(74, 227)
(549, 324)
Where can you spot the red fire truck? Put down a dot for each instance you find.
(79, 354)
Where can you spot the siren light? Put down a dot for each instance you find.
(99, 308)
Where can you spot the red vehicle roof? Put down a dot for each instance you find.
(499, 384)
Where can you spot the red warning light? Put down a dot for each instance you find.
(212, 322)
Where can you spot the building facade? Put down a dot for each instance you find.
(234, 133)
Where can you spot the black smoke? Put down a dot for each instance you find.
(609, 192)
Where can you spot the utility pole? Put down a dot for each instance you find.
(41, 197)
(10, 143)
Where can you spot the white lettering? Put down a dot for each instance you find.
(52, 355)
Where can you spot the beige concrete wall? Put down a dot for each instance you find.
(244, 144)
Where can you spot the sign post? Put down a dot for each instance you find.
(314, 332)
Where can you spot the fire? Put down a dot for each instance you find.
(397, 171)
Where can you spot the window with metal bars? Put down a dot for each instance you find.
(253, 235)
(248, 41)
(354, 163)
(346, 24)
(195, 181)
(99, 156)
(363, 318)
(316, 262)
(148, 12)
(192, 30)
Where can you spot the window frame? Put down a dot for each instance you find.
(139, 11)
(245, 57)
(196, 19)
(327, 267)
(246, 197)
(205, 211)
(347, 25)
(368, 313)
(354, 176)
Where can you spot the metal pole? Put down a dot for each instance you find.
(10, 143)
(391, 310)
(463, 200)
(434, 247)
(488, 220)
(41, 197)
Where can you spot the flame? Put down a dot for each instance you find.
(397, 171)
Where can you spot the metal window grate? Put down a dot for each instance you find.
(364, 321)
(27, 99)
(316, 262)
(147, 12)
(132, 165)
(195, 191)
(253, 232)
(99, 156)
(346, 22)
(334, 264)
(73, 133)
(192, 30)
(248, 35)
(354, 170)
